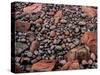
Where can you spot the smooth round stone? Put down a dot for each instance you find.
(76, 29)
(62, 62)
(52, 33)
(52, 47)
(93, 57)
(40, 51)
(84, 62)
(56, 41)
(53, 27)
(29, 54)
(68, 39)
(90, 61)
(58, 47)
(23, 40)
(49, 51)
(20, 33)
(17, 59)
(63, 21)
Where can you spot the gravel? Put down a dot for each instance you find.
(51, 33)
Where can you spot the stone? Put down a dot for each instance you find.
(84, 62)
(66, 66)
(62, 61)
(21, 45)
(90, 61)
(34, 46)
(57, 16)
(93, 57)
(22, 26)
(89, 11)
(34, 8)
(53, 27)
(63, 21)
(58, 48)
(82, 23)
(43, 65)
(30, 36)
(90, 39)
(52, 34)
(75, 65)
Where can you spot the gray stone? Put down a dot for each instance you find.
(62, 62)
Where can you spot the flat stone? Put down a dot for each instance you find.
(43, 65)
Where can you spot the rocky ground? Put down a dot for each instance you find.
(51, 37)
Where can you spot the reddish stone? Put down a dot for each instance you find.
(22, 26)
(66, 66)
(57, 16)
(71, 65)
(38, 20)
(89, 11)
(34, 45)
(74, 65)
(43, 65)
(33, 8)
(52, 33)
(90, 39)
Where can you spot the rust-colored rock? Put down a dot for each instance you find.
(57, 16)
(33, 8)
(34, 45)
(90, 39)
(71, 65)
(43, 65)
(89, 11)
(66, 66)
(22, 26)
(74, 65)
(52, 33)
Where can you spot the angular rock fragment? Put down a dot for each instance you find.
(33, 8)
(57, 16)
(74, 65)
(70, 65)
(89, 11)
(90, 39)
(43, 65)
(22, 26)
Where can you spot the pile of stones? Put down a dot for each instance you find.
(54, 37)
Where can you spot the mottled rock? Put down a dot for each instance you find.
(89, 11)
(22, 26)
(90, 39)
(33, 8)
(34, 46)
